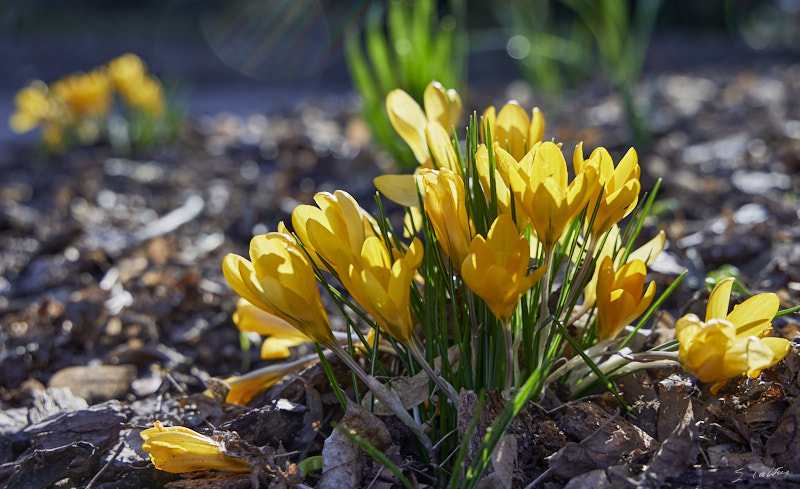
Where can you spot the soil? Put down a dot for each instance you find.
(114, 263)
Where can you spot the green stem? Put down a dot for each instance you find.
(510, 357)
(388, 398)
(415, 347)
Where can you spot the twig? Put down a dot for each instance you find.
(105, 467)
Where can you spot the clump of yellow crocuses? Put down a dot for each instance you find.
(76, 109)
(514, 260)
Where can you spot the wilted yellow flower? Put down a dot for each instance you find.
(382, 285)
(177, 450)
(85, 95)
(512, 129)
(446, 207)
(619, 186)
(339, 226)
(539, 184)
(621, 296)
(730, 344)
(280, 279)
(280, 335)
(496, 268)
(410, 121)
(244, 388)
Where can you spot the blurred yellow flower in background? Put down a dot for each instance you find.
(177, 450)
(129, 76)
(33, 106)
(496, 268)
(280, 279)
(85, 95)
(730, 344)
(621, 296)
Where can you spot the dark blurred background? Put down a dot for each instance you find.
(265, 56)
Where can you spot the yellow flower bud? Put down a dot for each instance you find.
(339, 226)
(382, 285)
(512, 130)
(445, 206)
(280, 279)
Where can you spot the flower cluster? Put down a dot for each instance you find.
(76, 108)
(512, 258)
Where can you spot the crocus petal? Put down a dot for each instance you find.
(754, 315)
(401, 189)
(536, 132)
(512, 129)
(441, 147)
(650, 250)
(717, 307)
(437, 104)
(409, 121)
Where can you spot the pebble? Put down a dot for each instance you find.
(96, 383)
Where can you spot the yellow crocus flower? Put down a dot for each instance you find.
(621, 296)
(33, 106)
(445, 205)
(442, 107)
(616, 189)
(280, 280)
(280, 335)
(128, 73)
(647, 253)
(177, 450)
(338, 226)
(126, 70)
(496, 268)
(512, 129)
(730, 344)
(382, 285)
(540, 187)
(147, 95)
(85, 95)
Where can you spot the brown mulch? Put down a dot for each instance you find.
(114, 264)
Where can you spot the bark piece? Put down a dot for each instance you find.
(784, 445)
(42, 468)
(98, 425)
